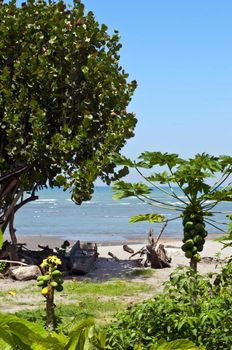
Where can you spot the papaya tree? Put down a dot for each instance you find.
(204, 181)
(63, 102)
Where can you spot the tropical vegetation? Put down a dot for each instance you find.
(204, 181)
(63, 102)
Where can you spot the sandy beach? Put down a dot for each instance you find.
(106, 267)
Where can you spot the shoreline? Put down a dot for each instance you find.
(212, 248)
(53, 241)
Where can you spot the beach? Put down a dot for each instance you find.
(107, 267)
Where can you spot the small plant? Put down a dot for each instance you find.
(3, 265)
(50, 281)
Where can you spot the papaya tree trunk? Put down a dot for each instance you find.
(50, 309)
(193, 265)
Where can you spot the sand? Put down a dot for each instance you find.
(107, 268)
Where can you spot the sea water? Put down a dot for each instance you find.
(101, 219)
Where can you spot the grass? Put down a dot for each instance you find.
(113, 288)
(86, 299)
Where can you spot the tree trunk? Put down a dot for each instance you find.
(13, 238)
(193, 265)
(50, 309)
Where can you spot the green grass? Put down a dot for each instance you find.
(86, 299)
(113, 288)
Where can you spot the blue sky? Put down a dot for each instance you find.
(180, 53)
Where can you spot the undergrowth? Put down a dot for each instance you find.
(191, 307)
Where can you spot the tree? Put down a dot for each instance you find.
(192, 177)
(63, 101)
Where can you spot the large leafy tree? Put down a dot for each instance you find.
(63, 101)
(204, 181)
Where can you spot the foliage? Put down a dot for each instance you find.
(63, 98)
(226, 240)
(180, 344)
(192, 176)
(23, 335)
(191, 307)
(17, 333)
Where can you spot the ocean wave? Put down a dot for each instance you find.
(47, 200)
(175, 203)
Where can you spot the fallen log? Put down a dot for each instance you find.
(141, 252)
(113, 256)
(13, 262)
(128, 249)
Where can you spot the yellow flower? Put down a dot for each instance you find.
(12, 292)
(44, 264)
(54, 260)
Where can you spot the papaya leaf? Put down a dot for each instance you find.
(158, 158)
(162, 178)
(126, 189)
(225, 161)
(220, 196)
(5, 346)
(179, 344)
(78, 335)
(119, 159)
(151, 218)
(6, 336)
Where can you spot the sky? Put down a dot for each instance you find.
(180, 53)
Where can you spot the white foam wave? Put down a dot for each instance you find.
(47, 200)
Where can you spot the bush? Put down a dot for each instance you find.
(191, 307)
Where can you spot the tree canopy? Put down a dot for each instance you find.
(63, 97)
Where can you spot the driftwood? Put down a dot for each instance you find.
(141, 252)
(153, 256)
(13, 262)
(128, 249)
(113, 256)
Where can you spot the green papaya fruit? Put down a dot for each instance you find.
(188, 254)
(54, 284)
(196, 257)
(56, 273)
(189, 226)
(198, 240)
(40, 278)
(46, 278)
(59, 288)
(59, 280)
(189, 244)
(41, 283)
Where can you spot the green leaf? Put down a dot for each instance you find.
(162, 178)
(151, 218)
(122, 160)
(157, 158)
(180, 344)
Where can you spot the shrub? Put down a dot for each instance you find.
(191, 307)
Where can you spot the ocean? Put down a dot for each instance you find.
(101, 219)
